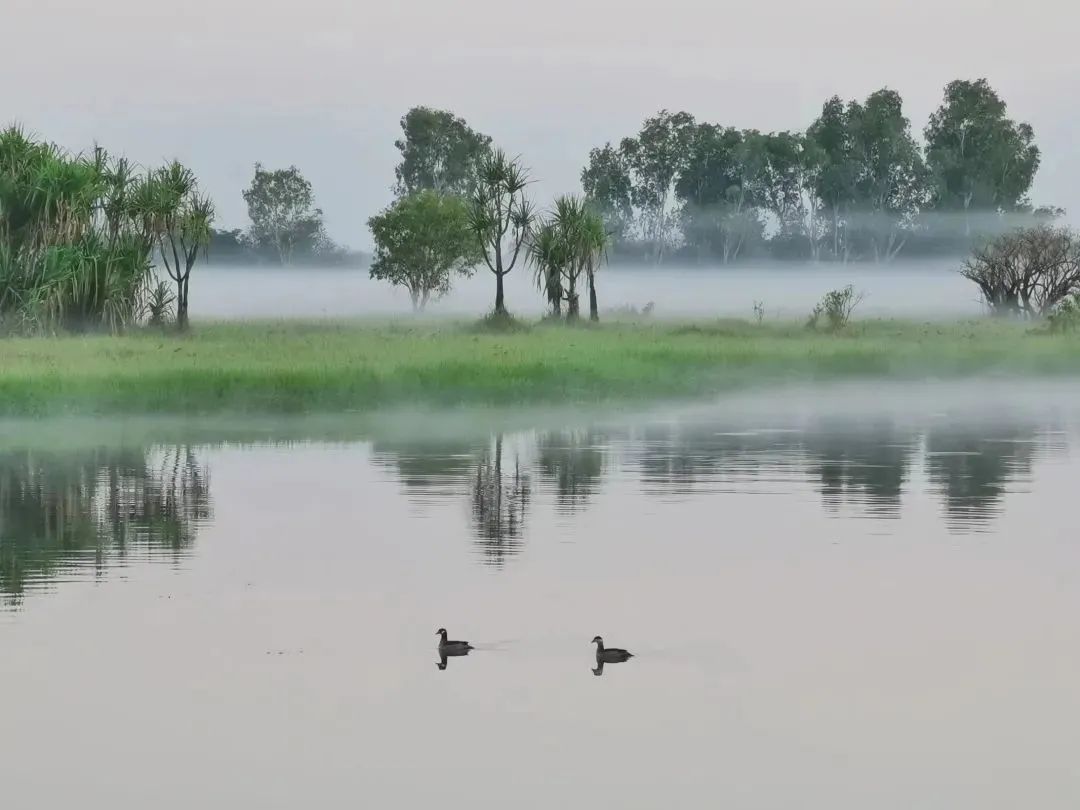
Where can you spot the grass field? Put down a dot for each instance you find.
(324, 367)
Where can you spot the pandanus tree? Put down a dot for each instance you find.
(177, 219)
(567, 248)
(500, 216)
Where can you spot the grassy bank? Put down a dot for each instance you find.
(288, 367)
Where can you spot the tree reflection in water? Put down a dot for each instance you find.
(500, 499)
(61, 513)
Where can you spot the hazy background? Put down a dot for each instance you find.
(322, 84)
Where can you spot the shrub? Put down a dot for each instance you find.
(835, 308)
(1066, 315)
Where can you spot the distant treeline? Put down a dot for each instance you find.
(236, 247)
(855, 185)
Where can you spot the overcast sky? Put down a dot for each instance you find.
(321, 84)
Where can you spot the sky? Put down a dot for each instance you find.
(322, 84)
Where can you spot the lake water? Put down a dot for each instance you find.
(912, 289)
(844, 597)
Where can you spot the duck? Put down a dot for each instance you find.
(452, 647)
(609, 655)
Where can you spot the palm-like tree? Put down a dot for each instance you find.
(571, 243)
(500, 216)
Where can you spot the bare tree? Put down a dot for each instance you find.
(1027, 272)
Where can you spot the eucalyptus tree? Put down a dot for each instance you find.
(500, 216)
(439, 152)
(655, 157)
(281, 206)
(608, 188)
(979, 158)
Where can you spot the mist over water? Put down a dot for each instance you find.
(869, 589)
(916, 289)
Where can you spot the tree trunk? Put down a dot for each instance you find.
(500, 297)
(182, 305)
(594, 311)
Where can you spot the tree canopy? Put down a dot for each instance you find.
(422, 241)
(439, 151)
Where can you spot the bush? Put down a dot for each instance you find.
(497, 321)
(835, 308)
(1066, 316)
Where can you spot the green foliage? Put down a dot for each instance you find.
(422, 241)
(77, 235)
(835, 309)
(856, 185)
(159, 305)
(1065, 317)
(500, 216)
(281, 206)
(979, 158)
(569, 245)
(439, 152)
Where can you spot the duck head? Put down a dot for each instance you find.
(441, 632)
(597, 640)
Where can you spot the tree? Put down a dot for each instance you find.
(979, 158)
(179, 221)
(829, 138)
(888, 171)
(500, 216)
(608, 188)
(1027, 272)
(421, 242)
(439, 152)
(721, 187)
(655, 159)
(570, 244)
(281, 208)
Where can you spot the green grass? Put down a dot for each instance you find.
(307, 367)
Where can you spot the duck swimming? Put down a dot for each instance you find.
(452, 647)
(609, 655)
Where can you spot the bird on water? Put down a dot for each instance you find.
(452, 647)
(610, 655)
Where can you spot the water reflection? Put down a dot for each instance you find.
(502, 489)
(63, 514)
(572, 462)
(82, 512)
(972, 469)
(866, 465)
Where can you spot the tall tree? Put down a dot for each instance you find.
(888, 170)
(439, 151)
(282, 210)
(421, 242)
(721, 187)
(655, 159)
(980, 159)
(830, 140)
(500, 216)
(608, 189)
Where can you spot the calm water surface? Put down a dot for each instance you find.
(842, 598)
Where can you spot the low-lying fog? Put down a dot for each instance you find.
(927, 289)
